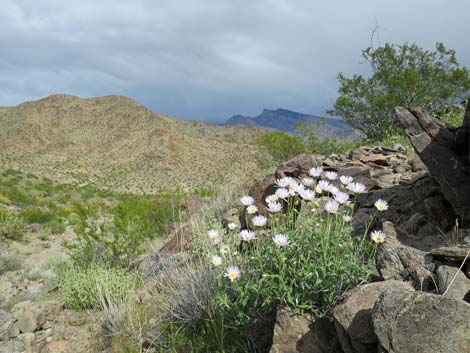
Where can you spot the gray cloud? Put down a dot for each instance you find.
(208, 59)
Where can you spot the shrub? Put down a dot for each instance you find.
(37, 215)
(90, 288)
(279, 146)
(402, 75)
(12, 225)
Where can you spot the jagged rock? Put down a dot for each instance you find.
(26, 322)
(397, 261)
(420, 322)
(352, 316)
(302, 333)
(460, 286)
(299, 165)
(437, 147)
(451, 253)
(415, 222)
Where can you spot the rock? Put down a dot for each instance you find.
(353, 314)
(399, 147)
(378, 159)
(13, 331)
(298, 166)
(37, 228)
(359, 153)
(296, 333)
(451, 253)
(417, 164)
(420, 322)
(27, 322)
(415, 222)
(397, 261)
(436, 146)
(458, 288)
(60, 346)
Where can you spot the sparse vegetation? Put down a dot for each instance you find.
(12, 226)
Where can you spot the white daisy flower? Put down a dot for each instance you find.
(331, 175)
(315, 172)
(282, 193)
(322, 185)
(232, 273)
(342, 197)
(296, 188)
(259, 221)
(346, 179)
(274, 207)
(281, 240)
(216, 260)
(378, 236)
(247, 235)
(247, 200)
(347, 218)
(308, 182)
(224, 249)
(356, 187)
(331, 206)
(284, 182)
(271, 198)
(381, 205)
(333, 189)
(232, 226)
(252, 209)
(308, 195)
(214, 236)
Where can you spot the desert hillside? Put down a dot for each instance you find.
(116, 143)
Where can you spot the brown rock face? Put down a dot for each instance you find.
(445, 153)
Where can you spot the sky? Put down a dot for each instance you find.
(209, 59)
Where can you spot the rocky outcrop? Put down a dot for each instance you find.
(397, 261)
(444, 151)
(420, 322)
(352, 316)
(303, 333)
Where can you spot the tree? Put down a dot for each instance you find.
(402, 75)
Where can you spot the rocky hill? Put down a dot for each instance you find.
(114, 142)
(285, 120)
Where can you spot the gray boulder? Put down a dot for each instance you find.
(421, 322)
(457, 289)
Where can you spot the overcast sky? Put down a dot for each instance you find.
(209, 59)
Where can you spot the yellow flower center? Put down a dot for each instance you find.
(232, 275)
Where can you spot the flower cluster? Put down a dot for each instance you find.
(326, 190)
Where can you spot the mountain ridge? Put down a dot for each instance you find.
(285, 120)
(117, 143)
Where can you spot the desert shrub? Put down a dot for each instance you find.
(402, 75)
(12, 226)
(9, 263)
(56, 226)
(278, 146)
(40, 215)
(92, 287)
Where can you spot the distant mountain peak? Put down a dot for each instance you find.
(286, 120)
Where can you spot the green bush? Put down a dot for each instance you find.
(37, 215)
(12, 226)
(402, 75)
(278, 146)
(87, 288)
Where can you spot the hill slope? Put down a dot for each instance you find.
(285, 120)
(114, 142)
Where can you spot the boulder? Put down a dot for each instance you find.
(378, 159)
(419, 322)
(303, 333)
(26, 322)
(397, 261)
(451, 253)
(352, 316)
(453, 282)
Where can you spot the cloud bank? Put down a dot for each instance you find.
(209, 59)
